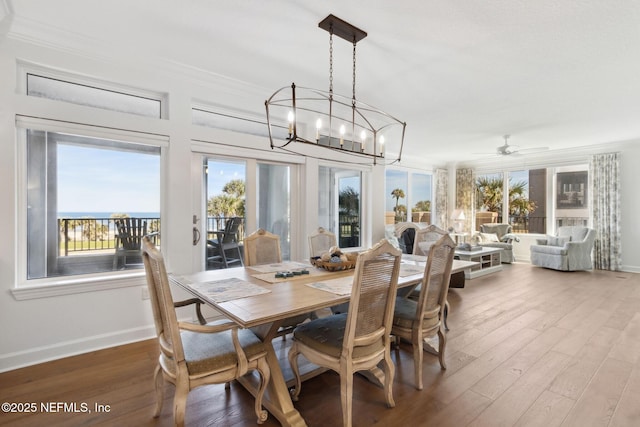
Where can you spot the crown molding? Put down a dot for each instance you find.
(49, 36)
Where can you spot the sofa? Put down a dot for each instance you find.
(569, 250)
(498, 236)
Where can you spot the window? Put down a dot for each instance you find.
(397, 186)
(76, 186)
(408, 196)
(529, 203)
(339, 204)
(274, 203)
(420, 196)
(93, 96)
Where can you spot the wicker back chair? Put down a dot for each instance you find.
(192, 355)
(321, 241)
(415, 320)
(262, 247)
(357, 340)
(425, 238)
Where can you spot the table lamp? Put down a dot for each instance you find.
(458, 220)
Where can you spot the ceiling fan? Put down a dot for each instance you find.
(508, 149)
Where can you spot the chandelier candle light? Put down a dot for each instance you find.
(341, 123)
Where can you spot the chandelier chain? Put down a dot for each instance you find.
(354, 72)
(331, 60)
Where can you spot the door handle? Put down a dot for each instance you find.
(196, 236)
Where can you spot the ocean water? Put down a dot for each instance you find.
(107, 214)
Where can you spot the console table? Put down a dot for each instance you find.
(488, 260)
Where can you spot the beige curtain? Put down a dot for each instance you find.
(442, 184)
(604, 179)
(465, 196)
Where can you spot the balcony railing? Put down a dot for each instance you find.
(79, 235)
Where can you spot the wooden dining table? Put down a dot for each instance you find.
(253, 297)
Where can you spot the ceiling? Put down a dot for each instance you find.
(462, 74)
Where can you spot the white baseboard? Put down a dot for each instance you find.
(32, 356)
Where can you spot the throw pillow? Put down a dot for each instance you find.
(489, 237)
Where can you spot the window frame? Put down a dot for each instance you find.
(63, 285)
(24, 68)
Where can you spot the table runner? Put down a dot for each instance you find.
(313, 272)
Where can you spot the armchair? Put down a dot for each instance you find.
(498, 236)
(569, 250)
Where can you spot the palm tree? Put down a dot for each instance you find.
(398, 194)
(490, 196)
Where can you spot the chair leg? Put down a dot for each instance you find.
(180, 398)
(442, 342)
(346, 395)
(265, 376)
(389, 374)
(446, 315)
(240, 256)
(159, 382)
(418, 348)
(224, 256)
(293, 361)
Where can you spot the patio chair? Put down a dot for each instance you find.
(225, 240)
(128, 240)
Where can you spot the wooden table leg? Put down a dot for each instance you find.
(277, 399)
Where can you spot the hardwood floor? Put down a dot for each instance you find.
(527, 347)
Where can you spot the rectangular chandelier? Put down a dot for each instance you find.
(325, 119)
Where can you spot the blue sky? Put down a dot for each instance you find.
(222, 172)
(100, 180)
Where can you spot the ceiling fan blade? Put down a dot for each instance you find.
(532, 150)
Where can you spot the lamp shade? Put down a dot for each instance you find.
(458, 215)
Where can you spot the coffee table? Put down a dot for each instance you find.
(488, 259)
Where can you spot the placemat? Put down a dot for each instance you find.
(339, 286)
(224, 289)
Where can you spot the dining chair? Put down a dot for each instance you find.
(321, 241)
(193, 355)
(416, 320)
(225, 240)
(360, 339)
(128, 239)
(425, 238)
(262, 247)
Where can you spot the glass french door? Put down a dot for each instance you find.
(225, 182)
(274, 203)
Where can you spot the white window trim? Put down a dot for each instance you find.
(26, 67)
(65, 285)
